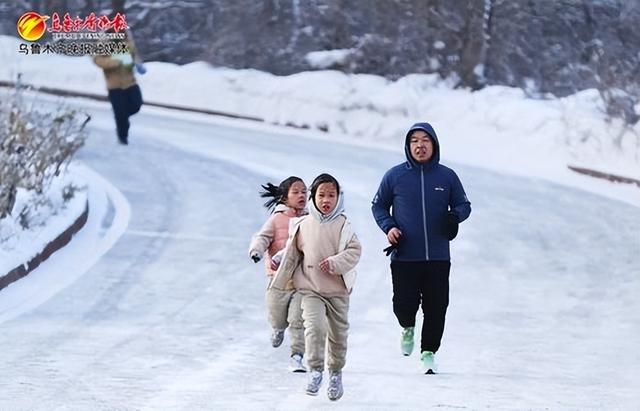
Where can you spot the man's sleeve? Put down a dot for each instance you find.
(459, 203)
(381, 205)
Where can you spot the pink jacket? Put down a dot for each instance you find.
(273, 235)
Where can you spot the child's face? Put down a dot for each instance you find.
(297, 196)
(326, 197)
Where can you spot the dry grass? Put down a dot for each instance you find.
(35, 146)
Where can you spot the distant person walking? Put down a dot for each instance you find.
(419, 205)
(124, 92)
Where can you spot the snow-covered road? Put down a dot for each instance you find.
(544, 289)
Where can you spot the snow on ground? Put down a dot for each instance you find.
(327, 58)
(46, 221)
(108, 218)
(172, 316)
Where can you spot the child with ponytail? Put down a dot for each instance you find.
(285, 201)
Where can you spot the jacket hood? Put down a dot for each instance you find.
(338, 210)
(426, 127)
(280, 208)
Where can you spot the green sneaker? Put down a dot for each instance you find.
(428, 359)
(406, 343)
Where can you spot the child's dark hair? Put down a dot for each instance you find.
(278, 194)
(321, 179)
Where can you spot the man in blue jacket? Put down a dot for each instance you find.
(419, 205)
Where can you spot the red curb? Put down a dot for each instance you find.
(59, 242)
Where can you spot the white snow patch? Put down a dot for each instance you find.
(328, 58)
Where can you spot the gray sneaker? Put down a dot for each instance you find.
(335, 390)
(295, 363)
(276, 338)
(315, 380)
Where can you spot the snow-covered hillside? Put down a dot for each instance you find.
(156, 304)
(496, 128)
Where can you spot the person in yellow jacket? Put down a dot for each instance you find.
(124, 93)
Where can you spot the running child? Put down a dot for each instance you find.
(320, 256)
(286, 201)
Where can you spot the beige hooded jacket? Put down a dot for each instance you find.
(312, 239)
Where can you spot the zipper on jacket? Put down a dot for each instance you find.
(424, 213)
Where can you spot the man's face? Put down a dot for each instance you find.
(420, 146)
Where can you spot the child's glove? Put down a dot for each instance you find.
(140, 69)
(255, 256)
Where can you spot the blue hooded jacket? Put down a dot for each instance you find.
(416, 198)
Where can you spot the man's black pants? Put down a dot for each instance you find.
(426, 282)
(125, 103)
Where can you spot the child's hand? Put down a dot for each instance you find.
(324, 266)
(275, 260)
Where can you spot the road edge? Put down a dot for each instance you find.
(56, 244)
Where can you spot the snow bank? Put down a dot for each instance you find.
(499, 128)
(20, 244)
